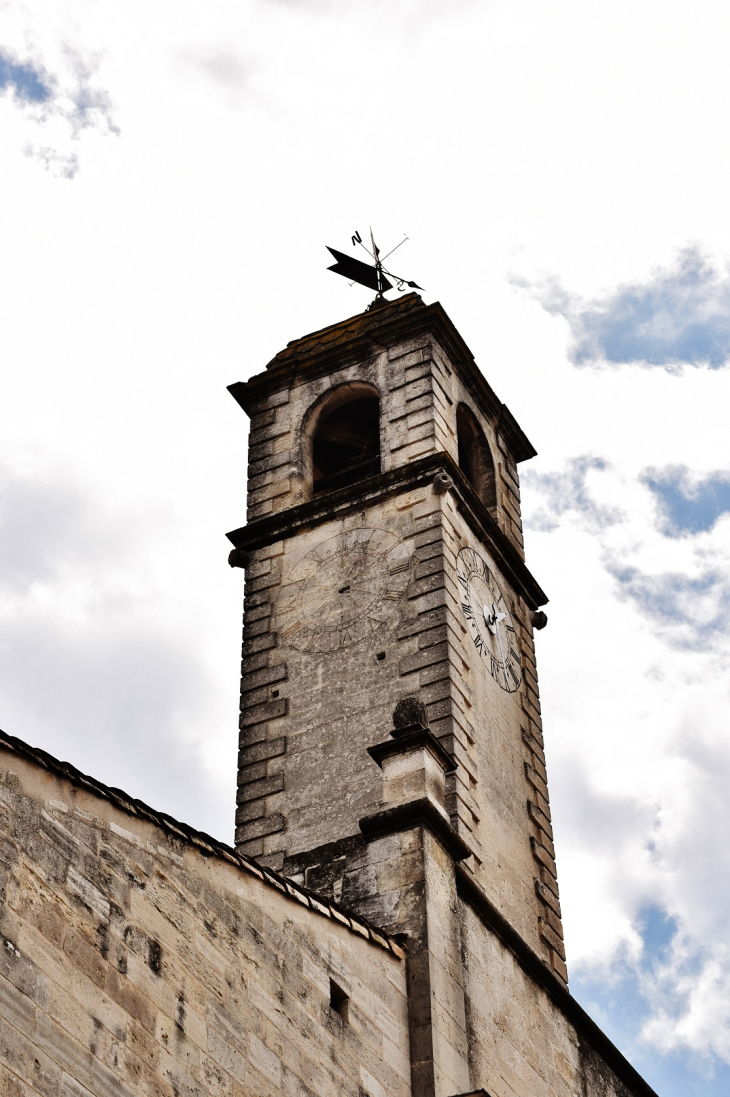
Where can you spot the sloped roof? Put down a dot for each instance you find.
(203, 842)
(382, 323)
(355, 327)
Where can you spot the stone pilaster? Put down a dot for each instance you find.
(409, 857)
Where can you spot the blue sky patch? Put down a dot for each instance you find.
(657, 929)
(680, 316)
(27, 81)
(687, 507)
(692, 611)
(620, 1010)
(622, 1005)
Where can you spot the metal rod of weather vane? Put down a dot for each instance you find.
(378, 263)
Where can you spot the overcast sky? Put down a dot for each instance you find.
(170, 175)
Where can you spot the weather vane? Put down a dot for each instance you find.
(374, 277)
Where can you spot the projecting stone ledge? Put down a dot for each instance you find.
(416, 813)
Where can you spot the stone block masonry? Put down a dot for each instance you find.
(138, 958)
(411, 356)
(359, 594)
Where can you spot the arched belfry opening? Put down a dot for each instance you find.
(345, 437)
(475, 456)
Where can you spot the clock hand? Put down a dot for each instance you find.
(492, 619)
(499, 618)
(489, 619)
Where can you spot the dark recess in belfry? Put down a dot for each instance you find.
(475, 456)
(346, 445)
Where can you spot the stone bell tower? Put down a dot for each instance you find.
(384, 562)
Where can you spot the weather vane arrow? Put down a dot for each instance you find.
(366, 274)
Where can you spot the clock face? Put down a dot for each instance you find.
(343, 591)
(488, 619)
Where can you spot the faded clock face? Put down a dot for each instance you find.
(343, 590)
(488, 619)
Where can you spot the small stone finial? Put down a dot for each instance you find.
(238, 558)
(442, 482)
(539, 619)
(408, 713)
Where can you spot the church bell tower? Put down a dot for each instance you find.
(385, 574)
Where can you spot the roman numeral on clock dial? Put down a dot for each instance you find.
(343, 590)
(488, 618)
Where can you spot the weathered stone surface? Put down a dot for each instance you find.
(138, 957)
(420, 659)
(124, 974)
(339, 693)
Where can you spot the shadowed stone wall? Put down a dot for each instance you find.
(521, 1043)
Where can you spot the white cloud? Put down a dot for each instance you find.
(91, 666)
(574, 138)
(54, 83)
(63, 165)
(640, 779)
(679, 316)
(89, 105)
(568, 491)
(227, 70)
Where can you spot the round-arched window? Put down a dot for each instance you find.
(475, 456)
(346, 440)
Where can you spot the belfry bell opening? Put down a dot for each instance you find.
(346, 444)
(475, 456)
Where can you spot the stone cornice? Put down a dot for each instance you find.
(416, 813)
(393, 325)
(413, 738)
(364, 493)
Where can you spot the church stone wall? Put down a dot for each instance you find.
(447, 381)
(308, 718)
(416, 419)
(520, 1041)
(133, 964)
